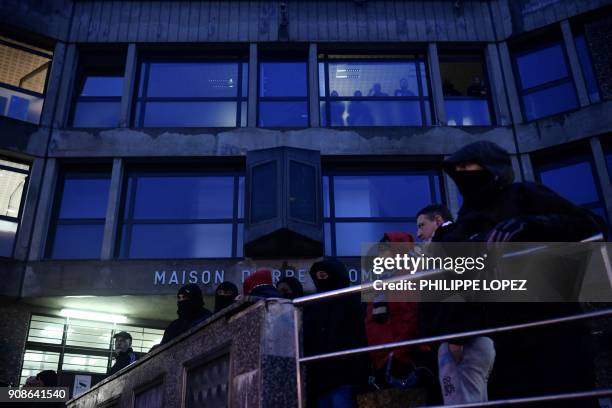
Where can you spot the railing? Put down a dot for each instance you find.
(435, 339)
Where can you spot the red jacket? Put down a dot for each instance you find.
(400, 324)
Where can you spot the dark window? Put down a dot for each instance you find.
(362, 207)
(544, 81)
(13, 180)
(23, 76)
(181, 215)
(80, 213)
(574, 179)
(587, 68)
(283, 94)
(98, 101)
(466, 90)
(192, 94)
(373, 91)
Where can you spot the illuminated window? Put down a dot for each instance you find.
(373, 91)
(283, 94)
(13, 179)
(23, 78)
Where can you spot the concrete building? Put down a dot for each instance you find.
(131, 133)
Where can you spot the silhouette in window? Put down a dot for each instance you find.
(477, 88)
(403, 89)
(448, 88)
(377, 91)
(358, 112)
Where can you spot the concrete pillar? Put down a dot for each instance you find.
(574, 63)
(516, 168)
(43, 213)
(53, 84)
(313, 85)
(496, 84)
(435, 79)
(452, 195)
(112, 210)
(129, 80)
(528, 173)
(64, 99)
(511, 85)
(253, 74)
(35, 185)
(599, 158)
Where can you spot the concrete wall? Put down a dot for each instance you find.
(13, 334)
(262, 356)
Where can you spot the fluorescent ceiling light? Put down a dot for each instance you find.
(87, 315)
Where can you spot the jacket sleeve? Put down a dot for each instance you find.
(557, 219)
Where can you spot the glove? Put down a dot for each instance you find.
(510, 230)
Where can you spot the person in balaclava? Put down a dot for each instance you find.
(333, 325)
(290, 287)
(495, 209)
(190, 310)
(225, 295)
(124, 355)
(260, 284)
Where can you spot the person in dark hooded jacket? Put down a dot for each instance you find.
(225, 295)
(333, 325)
(290, 287)
(260, 284)
(190, 309)
(529, 362)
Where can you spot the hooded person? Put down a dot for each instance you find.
(333, 325)
(190, 310)
(495, 209)
(225, 295)
(260, 284)
(290, 287)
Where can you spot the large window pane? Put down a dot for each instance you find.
(189, 114)
(19, 105)
(541, 66)
(379, 79)
(102, 86)
(84, 197)
(467, 112)
(197, 79)
(574, 182)
(8, 230)
(380, 196)
(181, 197)
(280, 114)
(264, 196)
(89, 334)
(77, 241)
(158, 241)
(35, 361)
(45, 329)
(373, 113)
(351, 235)
(96, 114)
(12, 184)
(549, 101)
(85, 363)
(282, 79)
(303, 192)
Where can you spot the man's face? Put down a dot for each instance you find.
(122, 344)
(182, 296)
(426, 226)
(225, 293)
(284, 289)
(322, 275)
(468, 166)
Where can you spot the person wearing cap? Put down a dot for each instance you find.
(124, 355)
(190, 310)
(260, 284)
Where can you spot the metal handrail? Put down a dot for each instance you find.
(516, 401)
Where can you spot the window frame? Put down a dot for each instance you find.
(575, 36)
(423, 101)
(332, 219)
(305, 99)
(97, 171)
(474, 55)
(145, 61)
(525, 50)
(121, 250)
(17, 219)
(82, 76)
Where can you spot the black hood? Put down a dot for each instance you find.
(489, 155)
(338, 275)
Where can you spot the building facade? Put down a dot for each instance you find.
(126, 129)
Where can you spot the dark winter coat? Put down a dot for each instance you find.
(123, 360)
(179, 326)
(334, 325)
